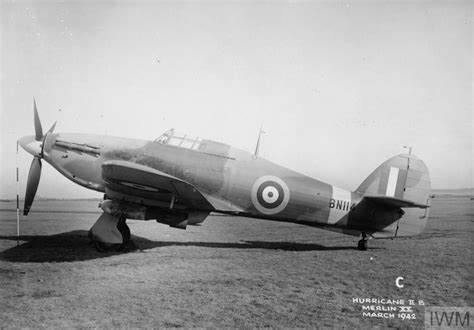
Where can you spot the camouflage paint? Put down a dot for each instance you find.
(254, 186)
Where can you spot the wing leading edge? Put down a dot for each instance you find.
(140, 183)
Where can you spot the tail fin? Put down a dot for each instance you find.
(400, 185)
(403, 176)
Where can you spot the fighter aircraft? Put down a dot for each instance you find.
(179, 180)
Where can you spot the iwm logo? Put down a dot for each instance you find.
(448, 317)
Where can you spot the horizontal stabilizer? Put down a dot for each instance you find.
(394, 202)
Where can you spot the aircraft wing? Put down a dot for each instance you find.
(139, 183)
(394, 202)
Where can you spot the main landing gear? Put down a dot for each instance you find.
(362, 245)
(124, 231)
(110, 233)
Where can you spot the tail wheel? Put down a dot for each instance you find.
(362, 245)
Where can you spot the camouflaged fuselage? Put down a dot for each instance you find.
(215, 169)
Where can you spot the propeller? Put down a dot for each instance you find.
(32, 184)
(38, 128)
(36, 148)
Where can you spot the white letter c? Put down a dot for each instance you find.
(397, 282)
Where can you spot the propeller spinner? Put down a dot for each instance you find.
(34, 145)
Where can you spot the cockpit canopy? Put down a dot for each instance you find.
(174, 138)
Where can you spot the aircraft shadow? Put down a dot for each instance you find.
(75, 246)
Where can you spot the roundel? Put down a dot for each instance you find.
(270, 194)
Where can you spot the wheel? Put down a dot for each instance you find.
(106, 247)
(362, 245)
(124, 230)
(126, 235)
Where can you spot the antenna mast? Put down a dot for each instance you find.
(409, 149)
(257, 147)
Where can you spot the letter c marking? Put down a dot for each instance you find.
(397, 282)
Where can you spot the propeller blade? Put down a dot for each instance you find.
(38, 128)
(32, 184)
(44, 141)
(52, 128)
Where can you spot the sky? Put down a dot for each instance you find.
(339, 86)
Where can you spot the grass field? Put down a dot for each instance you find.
(229, 272)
